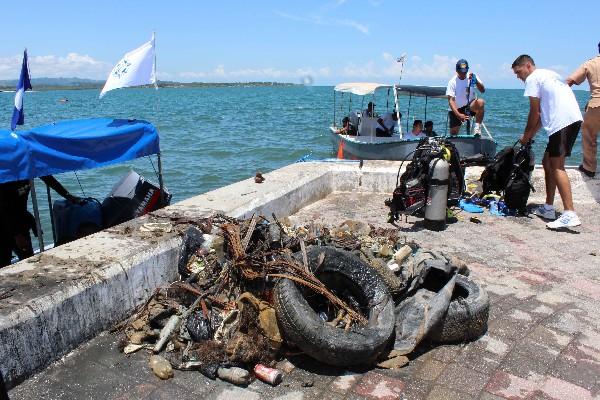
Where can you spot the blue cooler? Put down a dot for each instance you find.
(73, 221)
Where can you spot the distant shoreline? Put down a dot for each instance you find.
(163, 84)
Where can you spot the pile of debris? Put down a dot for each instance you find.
(251, 290)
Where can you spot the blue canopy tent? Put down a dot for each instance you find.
(74, 145)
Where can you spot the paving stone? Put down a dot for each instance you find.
(587, 287)
(343, 383)
(480, 361)
(327, 394)
(590, 339)
(232, 392)
(550, 338)
(562, 390)
(528, 357)
(442, 393)
(416, 389)
(445, 354)
(379, 387)
(509, 328)
(496, 345)
(295, 395)
(489, 396)
(462, 379)
(510, 387)
(565, 322)
(430, 370)
(578, 371)
(166, 391)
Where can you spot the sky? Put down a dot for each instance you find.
(311, 42)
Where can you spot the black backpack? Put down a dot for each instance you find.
(410, 195)
(509, 174)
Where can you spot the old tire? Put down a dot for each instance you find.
(467, 315)
(302, 326)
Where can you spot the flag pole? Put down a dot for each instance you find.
(401, 60)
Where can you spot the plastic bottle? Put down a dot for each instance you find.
(494, 207)
(473, 81)
(235, 375)
(402, 253)
(166, 332)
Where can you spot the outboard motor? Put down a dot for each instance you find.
(437, 196)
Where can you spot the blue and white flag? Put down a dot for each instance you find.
(18, 117)
(136, 68)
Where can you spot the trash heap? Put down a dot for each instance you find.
(252, 291)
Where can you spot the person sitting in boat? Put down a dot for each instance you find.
(417, 131)
(429, 132)
(386, 124)
(347, 128)
(462, 98)
(369, 111)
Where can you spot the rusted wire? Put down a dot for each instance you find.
(254, 268)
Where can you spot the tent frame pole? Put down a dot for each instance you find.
(36, 214)
(160, 180)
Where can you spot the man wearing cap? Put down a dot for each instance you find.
(589, 70)
(552, 105)
(463, 100)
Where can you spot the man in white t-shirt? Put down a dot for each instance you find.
(552, 105)
(462, 98)
(386, 124)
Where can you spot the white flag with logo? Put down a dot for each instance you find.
(138, 67)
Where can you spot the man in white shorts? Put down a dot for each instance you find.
(552, 105)
(461, 107)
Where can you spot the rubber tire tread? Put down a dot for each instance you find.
(466, 319)
(301, 325)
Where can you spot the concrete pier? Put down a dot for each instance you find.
(542, 284)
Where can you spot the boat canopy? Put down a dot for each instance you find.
(74, 145)
(360, 88)
(365, 88)
(428, 91)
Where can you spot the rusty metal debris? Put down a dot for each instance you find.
(219, 316)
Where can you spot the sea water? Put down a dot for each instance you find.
(214, 136)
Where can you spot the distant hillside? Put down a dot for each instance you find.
(54, 83)
(80, 83)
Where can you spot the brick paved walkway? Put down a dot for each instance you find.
(543, 340)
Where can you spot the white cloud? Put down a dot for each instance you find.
(321, 21)
(220, 73)
(438, 69)
(53, 66)
(368, 69)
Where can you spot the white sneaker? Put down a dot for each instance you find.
(566, 220)
(544, 212)
(477, 129)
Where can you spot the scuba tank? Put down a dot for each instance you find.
(437, 196)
